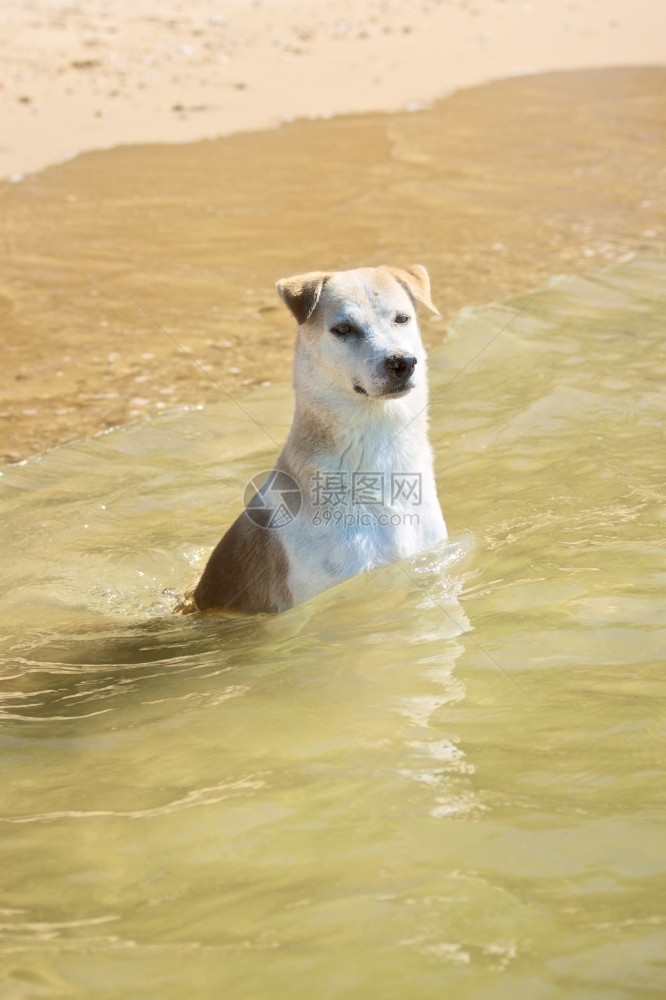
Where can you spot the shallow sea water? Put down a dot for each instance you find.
(443, 779)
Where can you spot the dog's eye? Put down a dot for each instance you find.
(402, 318)
(342, 329)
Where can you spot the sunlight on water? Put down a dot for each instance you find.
(441, 779)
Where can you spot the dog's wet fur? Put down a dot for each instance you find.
(361, 398)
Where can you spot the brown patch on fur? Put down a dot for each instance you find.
(301, 293)
(416, 280)
(246, 573)
(311, 436)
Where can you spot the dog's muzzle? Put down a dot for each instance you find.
(400, 367)
(398, 370)
(394, 375)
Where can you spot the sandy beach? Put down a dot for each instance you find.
(81, 76)
(561, 174)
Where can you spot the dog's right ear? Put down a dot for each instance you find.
(302, 292)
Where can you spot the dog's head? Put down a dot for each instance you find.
(360, 329)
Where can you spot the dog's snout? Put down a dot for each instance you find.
(400, 366)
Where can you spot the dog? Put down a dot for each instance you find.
(354, 486)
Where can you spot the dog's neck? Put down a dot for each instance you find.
(355, 432)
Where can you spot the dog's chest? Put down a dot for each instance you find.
(358, 516)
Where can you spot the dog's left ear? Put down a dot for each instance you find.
(302, 292)
(416, 280)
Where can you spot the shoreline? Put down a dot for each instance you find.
(75, 78)
(103, 107)
(495, 189)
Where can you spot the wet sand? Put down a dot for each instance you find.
(494, 189)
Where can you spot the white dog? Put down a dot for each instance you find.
(354, 486)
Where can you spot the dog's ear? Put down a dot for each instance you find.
(301, 293)
(416, 280)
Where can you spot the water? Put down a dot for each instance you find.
(442, 779)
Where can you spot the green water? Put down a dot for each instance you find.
(443, 779)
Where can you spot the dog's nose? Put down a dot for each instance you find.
(400, 366)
